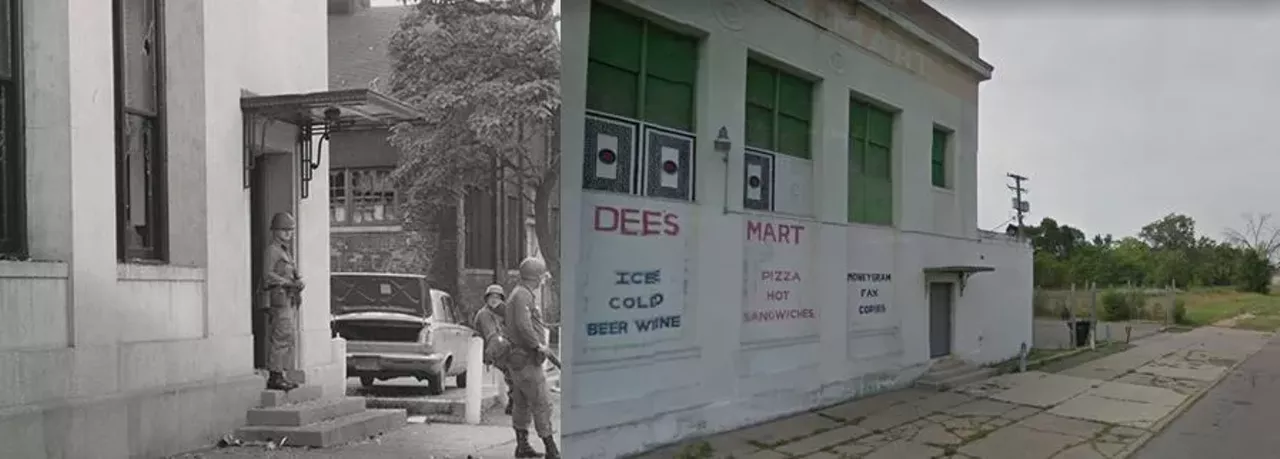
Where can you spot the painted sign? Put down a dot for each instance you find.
(777, 183)
(634, 264)
(777, 256)
(870, 280)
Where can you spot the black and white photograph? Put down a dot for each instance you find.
(279, 229)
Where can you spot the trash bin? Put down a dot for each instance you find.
(1082, 329)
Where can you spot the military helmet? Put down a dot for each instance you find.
(282, 221)
(532, 269)
(495, 289)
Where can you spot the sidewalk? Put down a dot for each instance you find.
(494, 439)
(1101, 409)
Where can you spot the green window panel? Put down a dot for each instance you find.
(640, 70)
(870, 164)
(939, 158)
(779, 114)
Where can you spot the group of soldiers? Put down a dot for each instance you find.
(515, 343)
(511, 325)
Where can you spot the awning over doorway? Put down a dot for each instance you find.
(963, 271)
(318, 114)
(342, 110)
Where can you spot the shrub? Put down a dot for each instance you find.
(1116, 305)
(1180, 311)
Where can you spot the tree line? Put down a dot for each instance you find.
(1165, 252)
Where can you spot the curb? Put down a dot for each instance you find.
(1177, 412)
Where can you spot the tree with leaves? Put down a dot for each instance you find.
(486, 74)
(1260, 240)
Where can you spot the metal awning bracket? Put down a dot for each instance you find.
(961, 271)
(319, 114)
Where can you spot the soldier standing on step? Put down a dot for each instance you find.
(526, 331)
(489, 322)
(284, 286)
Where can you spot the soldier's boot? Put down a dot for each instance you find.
(549, 442)
(523, 448)
(277, 381)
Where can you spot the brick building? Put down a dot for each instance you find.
(366, 230)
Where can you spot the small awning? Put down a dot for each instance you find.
(352, 109)
(963, 270)
(958, 269)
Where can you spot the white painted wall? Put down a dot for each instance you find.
(120, 360)
(637, 393)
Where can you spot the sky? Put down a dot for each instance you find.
(1121, 115)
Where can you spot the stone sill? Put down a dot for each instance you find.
(33, 269)
(335, 229)
(140, 272)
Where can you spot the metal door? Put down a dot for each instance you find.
(940, 319)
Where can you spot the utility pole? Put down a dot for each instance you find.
(1019, 205)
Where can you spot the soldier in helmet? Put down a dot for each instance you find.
(489, 323)
(283, 285)
(526, 332)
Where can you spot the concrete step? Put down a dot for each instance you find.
(947, 372)
(450, 404)
(301, 414)
(956, 380)
(346, 429)
(271, 398)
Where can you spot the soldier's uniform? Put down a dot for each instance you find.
(283, 286)
(489, 323)
(526, 332)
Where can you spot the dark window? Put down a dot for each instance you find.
(362, 197)
(640, 70)
(480, 230)
(12, 177)
(140, 146)
(938, 169)
(515, 236)
(779, 110)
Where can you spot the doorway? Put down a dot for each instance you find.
(272, 188)
(940, 318)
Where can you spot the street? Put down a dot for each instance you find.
(1235, 419)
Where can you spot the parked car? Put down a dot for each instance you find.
(396, 325)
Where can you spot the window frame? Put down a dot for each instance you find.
(648, 29)
(349, 203)
(514, 244)
(940, 157)
(478, 232)
(158, 224)
(13, 202)
(780, 75)
(860, 181)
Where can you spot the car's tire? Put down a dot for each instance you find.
(462, 380)
(366, 381)
(435, 384)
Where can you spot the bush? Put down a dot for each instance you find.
(1116, 306)
(1253, 273)
(1180, 311)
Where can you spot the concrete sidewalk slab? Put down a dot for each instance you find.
(1179, 367)
(1015, 416)
(1016, 442)
(1122, 404)
(1034, 388)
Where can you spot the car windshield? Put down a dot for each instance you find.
(379, 293)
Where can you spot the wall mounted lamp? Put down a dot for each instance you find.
(723, 144)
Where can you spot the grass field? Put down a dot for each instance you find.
(1208, 306)
(1251, 311)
